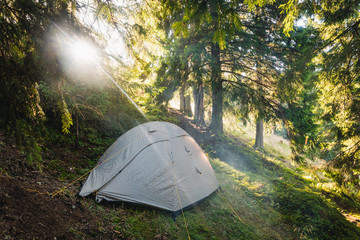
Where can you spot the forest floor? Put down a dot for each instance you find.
(27, 209)
(264, 193)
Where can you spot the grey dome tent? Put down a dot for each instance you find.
(156, 164)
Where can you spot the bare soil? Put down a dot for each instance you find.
(201, 134)
(29, 214)
(28, 211)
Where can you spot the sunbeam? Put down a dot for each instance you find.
(83, 52)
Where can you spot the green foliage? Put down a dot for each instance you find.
(28, 136)
(23, 29)
(66, 118)
(310, 215)
(337, 65)
(253, 3)
(97, 140)
(219, 38)
(24, 25)
(292, 12)
(56, 136)
(180, 29)
(34, 153)
(236, 46)
(303, 130)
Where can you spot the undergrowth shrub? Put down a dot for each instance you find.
(28, 137)
(310, 215)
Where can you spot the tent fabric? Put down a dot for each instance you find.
(156, 164)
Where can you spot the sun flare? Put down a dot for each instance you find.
(83, 51)
(80, 59)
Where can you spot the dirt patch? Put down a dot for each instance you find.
(201, 134)
(27, 211)
(12, 159)
(27, 214)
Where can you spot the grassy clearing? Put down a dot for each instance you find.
(309, 202)
(234, 212)
(263, 195)
(265, 204)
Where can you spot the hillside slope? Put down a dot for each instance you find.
(260, 198)
(306, 211)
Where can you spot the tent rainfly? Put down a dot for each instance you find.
(156, 164)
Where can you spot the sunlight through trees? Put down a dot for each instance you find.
(290, 64)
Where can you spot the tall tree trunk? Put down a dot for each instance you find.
(198, 93)
(196, 102)
(201, 106)
(188, 110)
(182, 98)
(259, 140)
(216, 81)
(217, 90)
(183, 78)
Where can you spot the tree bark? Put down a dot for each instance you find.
(201, 118)
(217, 91)
(198, 93)
(216, 81)
(188, 110)
(196, 102)
(259, 139)
(182, 98)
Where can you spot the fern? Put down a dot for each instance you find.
(66, 118)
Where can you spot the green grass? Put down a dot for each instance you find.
(263, 195)
(262, 205)
(265, 201)
(229, 214)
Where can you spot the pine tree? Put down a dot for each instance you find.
(337, 67)
(229, 44)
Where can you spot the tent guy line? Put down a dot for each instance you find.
(222, 196)
(182, 209)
